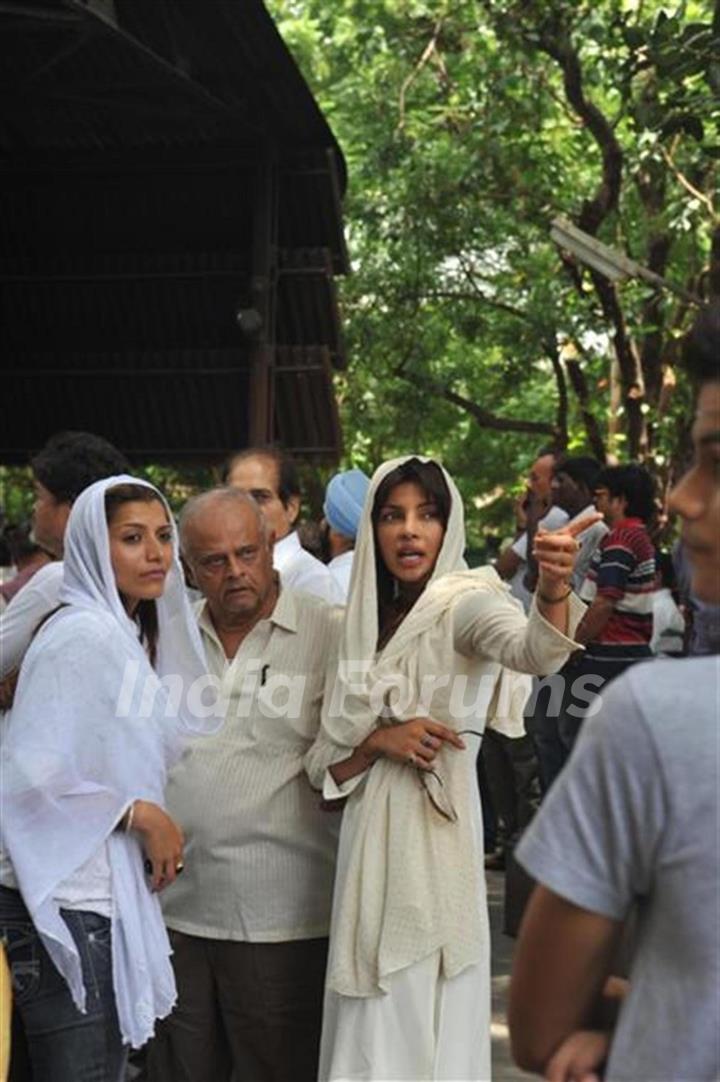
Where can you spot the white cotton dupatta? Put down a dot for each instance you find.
(411, 886)
(73, 759)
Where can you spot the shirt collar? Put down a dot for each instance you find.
(284, 615)
(343, 558)
(591, 509)
(285, 612)
(627, 523)
(285, 550)
(207, 627)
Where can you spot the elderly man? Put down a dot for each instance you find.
(344, 500)
(269, 475)
(249, 918)
(633, 823)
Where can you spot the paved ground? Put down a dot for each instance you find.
(504, 1070)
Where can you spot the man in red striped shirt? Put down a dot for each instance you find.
(617, 628)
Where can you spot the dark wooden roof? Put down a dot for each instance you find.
(163, 165)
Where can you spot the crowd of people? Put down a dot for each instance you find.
(242, 832)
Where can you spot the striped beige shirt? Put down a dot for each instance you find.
(260, 852)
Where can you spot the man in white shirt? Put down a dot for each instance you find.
(271, 478)
(511, 764)
(69, 462)
(538, 510)
(344, 500)
(250, 916)
(572, 490)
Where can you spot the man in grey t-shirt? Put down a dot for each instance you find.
(635, 819)
(634, 822)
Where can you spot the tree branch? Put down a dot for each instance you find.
(688, 185)
(561, 419)
(483, 417)
(410, 79)
(651, 184)
(582, 393)
(477, 295)
(555, 41)
(631, 376)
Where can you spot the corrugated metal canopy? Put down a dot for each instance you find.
(135, 138)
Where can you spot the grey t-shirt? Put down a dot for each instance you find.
(635, 817)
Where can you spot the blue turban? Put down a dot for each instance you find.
(344, 499)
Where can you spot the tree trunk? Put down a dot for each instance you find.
(582, 393)
(633, 388)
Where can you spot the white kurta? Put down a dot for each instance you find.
(341, 569)
(299, 570)
(426, 1027)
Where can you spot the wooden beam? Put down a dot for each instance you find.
(263, 277)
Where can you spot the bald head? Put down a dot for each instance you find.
(212, 505)
(227, 545)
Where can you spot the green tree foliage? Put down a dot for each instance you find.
(467, 127)
(177, 484)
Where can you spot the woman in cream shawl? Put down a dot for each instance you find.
(426, 659)
(85, 755)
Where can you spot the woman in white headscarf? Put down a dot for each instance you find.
(425, 657)
(85, 755)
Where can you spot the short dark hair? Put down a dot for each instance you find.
(701, 349)
(633, 482)
(582, 469)
(70, 461)
(287, 473)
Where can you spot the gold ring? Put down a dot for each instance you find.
(179, 867)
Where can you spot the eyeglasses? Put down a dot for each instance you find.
(435, 788)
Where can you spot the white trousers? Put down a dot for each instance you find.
(424, 1028)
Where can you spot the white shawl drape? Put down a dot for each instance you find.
(72, 762)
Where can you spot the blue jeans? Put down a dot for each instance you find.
(65, 1045)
